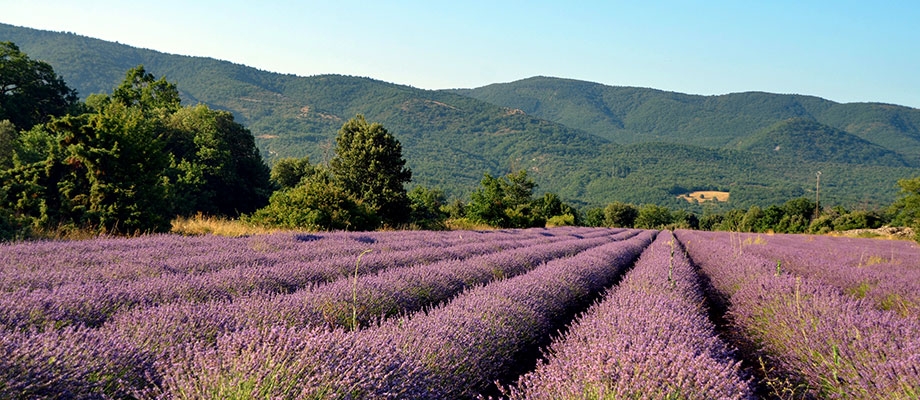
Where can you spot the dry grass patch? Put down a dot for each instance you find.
(703, 196)
(208, 225)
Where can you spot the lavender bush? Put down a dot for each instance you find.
(92, 302)
(650, 338)
(819, 341)
(382, 295)
(885, 272)
(72, 363)
(451, 351)
(96, 358)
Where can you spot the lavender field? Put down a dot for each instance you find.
(562, 313)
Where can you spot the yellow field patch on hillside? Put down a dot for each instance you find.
(704, 196)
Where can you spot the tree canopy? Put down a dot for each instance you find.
(128, 162)
(30, 91)
(508, 202)
(368, 164)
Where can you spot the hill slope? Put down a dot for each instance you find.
(635, 115)
(805, 139)
(605, 144)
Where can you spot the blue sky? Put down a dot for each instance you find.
(846, 51)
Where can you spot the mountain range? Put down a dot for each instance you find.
(588, 142)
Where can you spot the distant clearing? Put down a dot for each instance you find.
(704, 196)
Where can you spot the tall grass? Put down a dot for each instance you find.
(221, 226)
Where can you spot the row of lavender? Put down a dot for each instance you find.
(455, 350)
(886, 272)
(139, 349)
(92, 301)
(344, 303)
(649, 338)
(36, 265)
(816, 340)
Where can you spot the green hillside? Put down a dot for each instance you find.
(808, 140)
(590, 143)
(635, 115)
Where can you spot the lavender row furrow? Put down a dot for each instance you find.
(818, 341)
(650, 338)
(452, 351)
(72, 363)
(45, 265)
(92, 304)
(886, 272)
(344, 302)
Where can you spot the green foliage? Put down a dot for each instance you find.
(805, 139)
(857, 220)
(562, 220)
(906, 210)
(315, 204)
(128, 164)
(429, 208)
(289, 172)
(100, 171)
(751, 221)
(653, 216)
(594, 217)
(508, 202)
(8, 137)
(142, 90)
(488, 203)
(504, 202)
(214, 156)
(620, 215)
(368, 165)
(30, 91)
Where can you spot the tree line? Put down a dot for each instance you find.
(123, 163)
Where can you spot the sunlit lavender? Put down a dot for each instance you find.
(534, 313)
(650, 338)
(818, 340)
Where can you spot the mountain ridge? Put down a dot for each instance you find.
(697, 119)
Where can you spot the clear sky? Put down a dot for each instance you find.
(846, 51)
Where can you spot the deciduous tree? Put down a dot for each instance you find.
(30, 91)
(368, 165)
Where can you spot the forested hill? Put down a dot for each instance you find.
(589, 143)
(449, 140)
(636, 115)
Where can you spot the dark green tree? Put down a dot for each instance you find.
(30, 91)
(428, 207)
(594, 217)
(141, 89)
(506, 202)
(7, 143)
(109, 171)
(906, 209)
(653, 216)
(220, 170)
(289, 172)
(315, 204)
(488, 203)
(369, 166)
(551, 208)
(710, 221)
(519, 188)
(132, 161)
(683, 219)
(800, 207)
(752, 220)
(620, 215)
